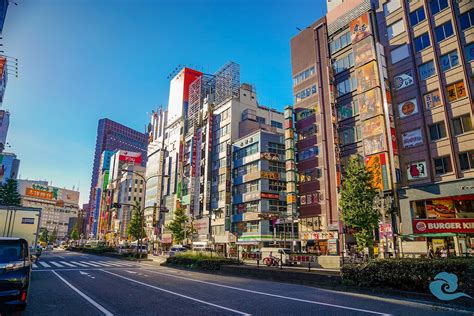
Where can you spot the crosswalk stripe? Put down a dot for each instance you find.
(78, 264)
(91, 264)
(68, 264)
(34, 265)
(117, 264)
(101, 263)
(57, 264)
(44, 264)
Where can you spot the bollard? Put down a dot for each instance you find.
(258, 263)
(309, 266)
(281, 261)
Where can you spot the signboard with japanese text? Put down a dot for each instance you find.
(417, 170)
(370, 104)
(360, 28)
(432, 100)
(264, 195)
(377, 164)
(39, 193)
(270, 156)
(319, 235)
(364, 51)
(367, 77)
(412, 138)
(270, 175)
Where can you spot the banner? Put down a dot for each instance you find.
(360, 28)
(364, 51)
(377, 164)
(128, 156)
(367, 77)
(270, 175)
(455, 225)
(374, 126)
(432, 100)
(374, 144)
(39, 193)
(370, 104)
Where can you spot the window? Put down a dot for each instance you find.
(467, 20)
(347, 136)
(308, 153)
(246, 151)
(438, 6)
(466, 160)
(449, 60)
(462, 124)
(340, 42)
(442, 165)
(422, 42)
(260, 120)
(277, 124)
(303, 94)
(346, 86)
(303, 75)
(395, 29)
(470, 52)
(344, 63)
(417, 16)
(276, 148)
(456, 91)
(347, 110)
(399, 53)
(437, 131)
(221, 195)
(391, 6)
(426, 70)
(444, 31)
(307, 132)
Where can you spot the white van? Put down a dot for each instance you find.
(283, 253)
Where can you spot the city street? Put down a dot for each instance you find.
(67, 283)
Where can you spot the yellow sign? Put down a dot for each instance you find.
(39, 193)
(269, 175)
(290, 199)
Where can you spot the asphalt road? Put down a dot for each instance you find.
(67, 283)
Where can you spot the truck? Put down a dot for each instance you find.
(20, 222)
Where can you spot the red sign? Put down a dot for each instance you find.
(269, 195)
(128, 156)
(457, 225)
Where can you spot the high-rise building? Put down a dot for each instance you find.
(9, 166)
(58, 205)
(113, 136)
(4, 124)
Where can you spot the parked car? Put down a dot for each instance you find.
(176, 250)
(15, 274)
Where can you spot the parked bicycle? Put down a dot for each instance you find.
(271, 261)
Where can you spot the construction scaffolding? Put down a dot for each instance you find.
(227, 82)
(201, 88)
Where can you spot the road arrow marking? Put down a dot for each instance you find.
(132, 272)
(83, 273)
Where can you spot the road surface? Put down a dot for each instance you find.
(68, 283)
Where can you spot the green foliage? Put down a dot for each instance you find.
(74, 234)
(9, 193)
(178, 225)
(408, 274)
(202, 262)
(44, 235)
(54, 235)
(357, 203)
(136, 223)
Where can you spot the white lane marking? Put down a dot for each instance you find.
(89, 263)
(35, 266)
(44, 264)
(85, 269)
(132, 272)
(177, 294)
(269, 294)
(67, 264)
(117, 264)
(83, 273)
(100, 263)
(78, 264)
(87, 298)
(57, 264)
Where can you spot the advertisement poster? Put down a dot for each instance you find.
(301, 113)
(440, 209)
(128, 156)
(364, 51)
(432, 100)
(374, 126)
(412, 138)
(367, 77)
(374, 144)
(394, 140)
(370, 104)
(417, 170)
(385, 230)
(377, 164)
(360, 28)
(408, 108)
(403, 80)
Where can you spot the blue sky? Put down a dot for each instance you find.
(82, 60)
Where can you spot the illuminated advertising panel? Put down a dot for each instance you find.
(373, 127)
(364, 51)
(370, 104)
(374, 144)
(130, 157)
(360, 28)
(367, 77)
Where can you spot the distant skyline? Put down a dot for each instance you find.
(83, 60)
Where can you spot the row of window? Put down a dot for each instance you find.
(276, 124)
(307, 132)
(222, 131)
(276, 166)
(346, 86)
(348, 110)
(461, 125)
(305, 93)
(246, 187)
(340, 42)
(276, 148)
(308, 153)
(303, 75)
(224, 115)
(309, 175)
(246, 169)
(442, 165)
(350, 135)
(344, 63)
(246, 151)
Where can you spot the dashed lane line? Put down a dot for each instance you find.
(87, 298)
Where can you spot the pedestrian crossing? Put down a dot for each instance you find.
(50, 264)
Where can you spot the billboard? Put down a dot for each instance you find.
(370, 104)
(40, 189)
(364, 51)
(377, 164)
(417, 170)
(412, 138)
(360, 28)
(367, 77)
(373, 127)
(374, 144)
(455, 225)
(130, 157)
(408, 108)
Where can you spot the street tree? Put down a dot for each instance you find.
(178, 225)
(136, 223)
(44, 235)
(54, 235)
(9, 193)
(74, 234)
(357, 203)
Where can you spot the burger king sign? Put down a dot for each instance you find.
(408, 108)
